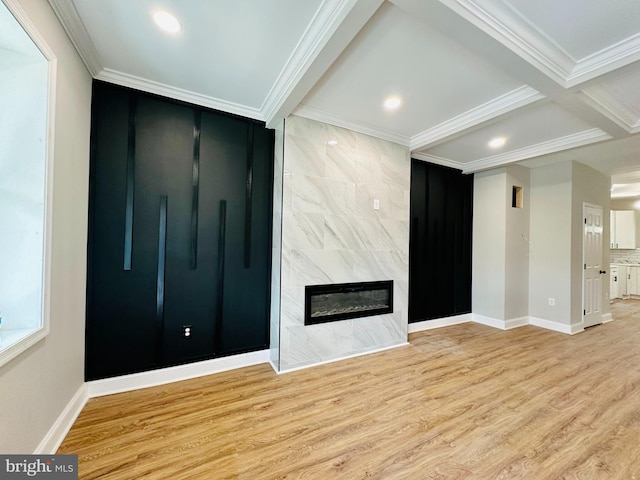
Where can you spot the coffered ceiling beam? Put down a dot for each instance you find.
(335, 25)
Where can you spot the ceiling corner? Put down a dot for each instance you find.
(445, 162)
(145, 85)
(612, 107)
(68, 16)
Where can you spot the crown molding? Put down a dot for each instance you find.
(126, 80)
(321, 116)
(445, 162)
(574, 140)
(519, 36)
(534, 46)
(610, 58)
(323, 25)
(66, 12)
(508, 102)
(612, 107)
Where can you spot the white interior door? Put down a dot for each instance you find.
(593, 268)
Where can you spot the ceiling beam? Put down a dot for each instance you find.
(440, 16)
(334, 26)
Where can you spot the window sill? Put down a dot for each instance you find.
(14, 342)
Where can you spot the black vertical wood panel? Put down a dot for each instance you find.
(222, 237)
(223, 161)
(160, 276)
(121, 310)
(131, 170)
(440, 246)
(248, 201)
(195, 184)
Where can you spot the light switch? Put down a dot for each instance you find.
(376, 204)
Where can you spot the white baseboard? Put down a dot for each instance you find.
(489, 322)
(439, 322)
(556, 326)
(607, 317)
(135, 381)
(54, 437)
(353, 355)
(516, 322)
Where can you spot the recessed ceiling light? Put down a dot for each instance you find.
(392, 103)
(167, 22)
(332, 143)
(497, 142)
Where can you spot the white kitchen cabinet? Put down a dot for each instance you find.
(633, 285)
(614, 291)
(623, 229)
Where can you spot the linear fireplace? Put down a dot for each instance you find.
(340, 301)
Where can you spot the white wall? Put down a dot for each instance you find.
(37, 385)
(332, 234)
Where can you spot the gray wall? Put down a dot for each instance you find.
(517, 246)
(550, 250)
(558, 193)
(524, 257)
(489, 244)
(37, 385)
(500, 284)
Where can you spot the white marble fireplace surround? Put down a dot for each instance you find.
(331, 233)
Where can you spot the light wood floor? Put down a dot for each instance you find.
(467, 402)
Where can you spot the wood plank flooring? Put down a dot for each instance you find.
(462, 402)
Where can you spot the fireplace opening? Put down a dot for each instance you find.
(340, 301)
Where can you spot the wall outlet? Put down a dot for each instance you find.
(187, 331)
(376, 204)
(552, 302)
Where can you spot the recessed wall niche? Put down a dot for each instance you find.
(516, 197)
(27, 70)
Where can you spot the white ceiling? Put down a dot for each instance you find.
(558, 79)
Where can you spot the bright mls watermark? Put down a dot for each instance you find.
(51, 467)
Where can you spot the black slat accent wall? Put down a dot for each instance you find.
(195, 173)
(440, 242)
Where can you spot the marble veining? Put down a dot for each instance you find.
(344, 232)
(305, 156)
(319, 195)
(305, 230)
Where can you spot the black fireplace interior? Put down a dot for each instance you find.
(341, 301)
